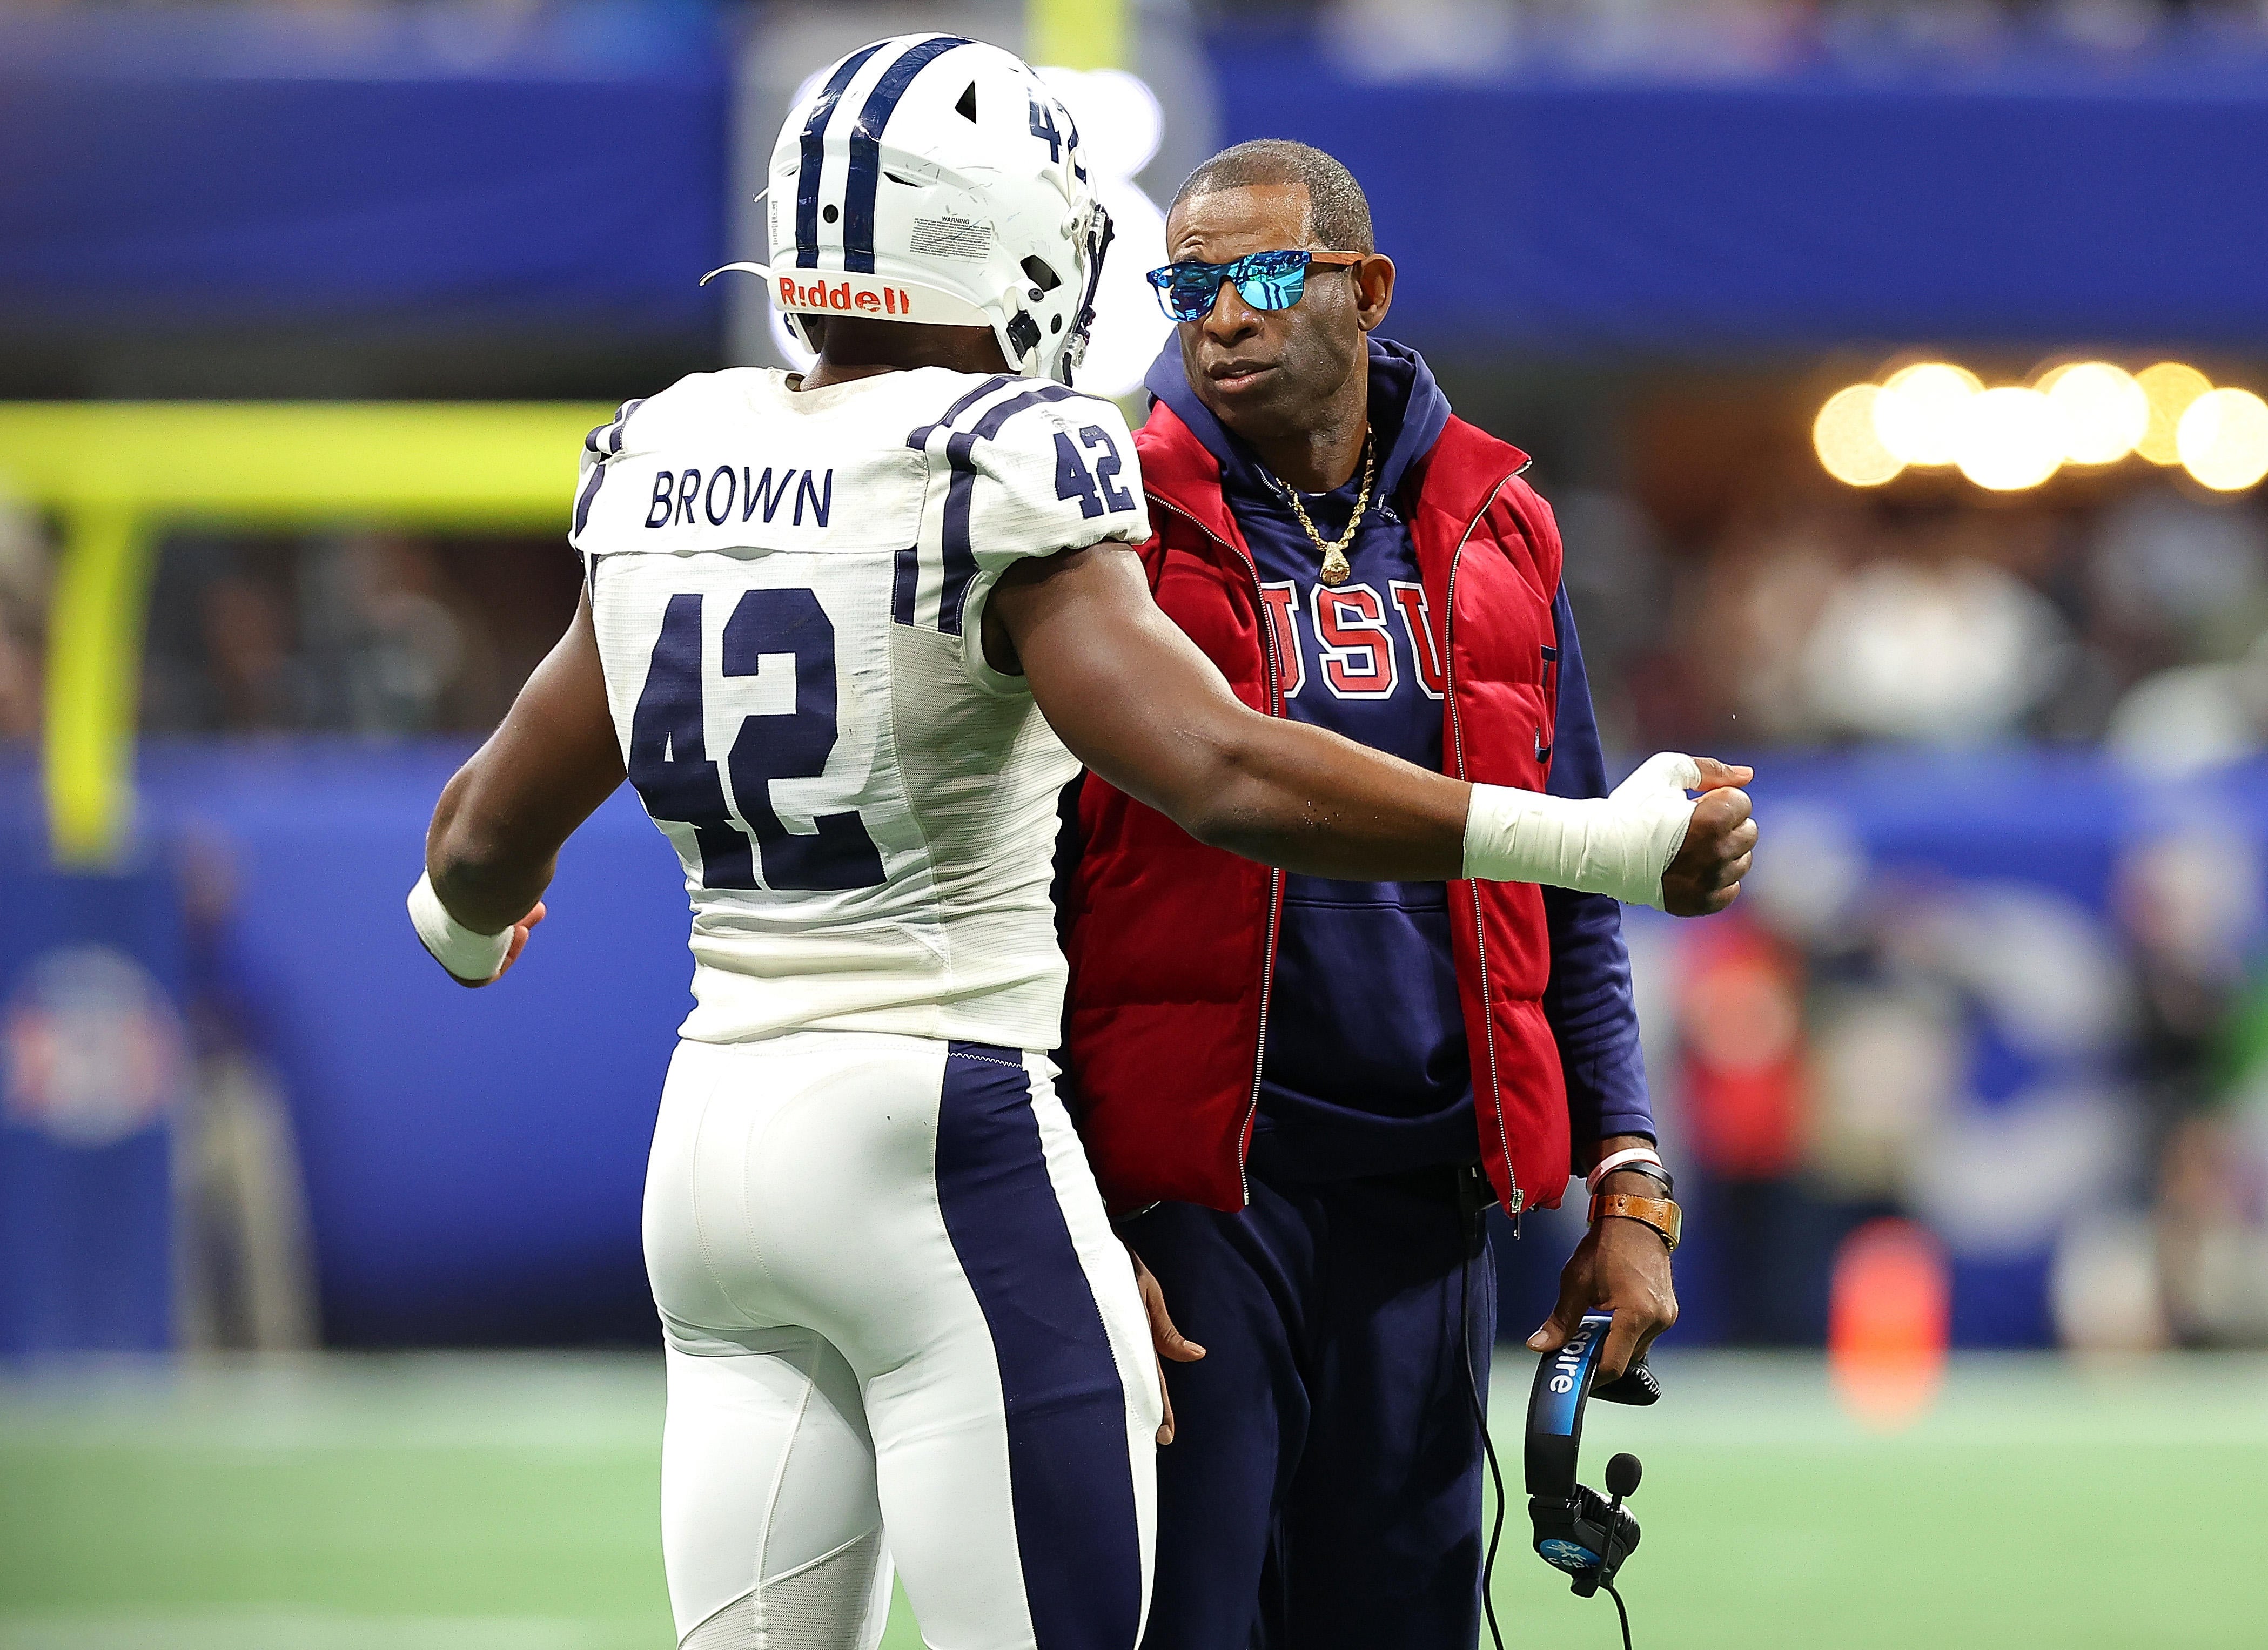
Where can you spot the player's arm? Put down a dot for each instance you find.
(1141, 705)
(500, 823)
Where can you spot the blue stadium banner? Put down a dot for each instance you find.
(94, 1062)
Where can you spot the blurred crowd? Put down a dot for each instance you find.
(372, 633)
(2073, 1099)
(24, 567)
(1471, 38)
(1744, 598)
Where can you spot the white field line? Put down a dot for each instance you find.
(290, 1630)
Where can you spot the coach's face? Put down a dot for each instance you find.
(1272, 374)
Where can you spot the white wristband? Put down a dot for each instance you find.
(1622, 1159)
(472, 956)
(1618, 845)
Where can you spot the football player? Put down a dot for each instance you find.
(849, 633)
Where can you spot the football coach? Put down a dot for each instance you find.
(1299, 1094)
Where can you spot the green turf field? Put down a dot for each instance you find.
(508, 1503)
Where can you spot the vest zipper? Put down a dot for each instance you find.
(1275, 873)
(1518, 1200)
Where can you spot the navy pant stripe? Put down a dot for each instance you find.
(812, 160)
(960, 558)
(1070, 1483)
(866, 148)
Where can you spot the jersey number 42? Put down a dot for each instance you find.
(670, 765)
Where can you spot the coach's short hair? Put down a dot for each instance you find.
(1338, 212)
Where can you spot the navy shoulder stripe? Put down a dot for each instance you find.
(622, 425)
(919, 438)
(606, 442)
(988, 426)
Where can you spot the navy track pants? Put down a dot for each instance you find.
(1323, 1487)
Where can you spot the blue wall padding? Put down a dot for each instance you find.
(264, 172)
(474, 1159)
(2036, 202)
(86, 1204)
(439, 167)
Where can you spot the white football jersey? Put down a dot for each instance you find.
(789, 589)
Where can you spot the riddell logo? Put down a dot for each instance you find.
(839, 298)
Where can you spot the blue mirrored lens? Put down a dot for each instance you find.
(1194, 287)
(1273, 280)
(1265, 280)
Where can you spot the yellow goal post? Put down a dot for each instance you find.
(116, 475)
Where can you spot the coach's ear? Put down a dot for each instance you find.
(1373, 286)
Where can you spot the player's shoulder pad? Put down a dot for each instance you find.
(690, 407)
(1033, 467)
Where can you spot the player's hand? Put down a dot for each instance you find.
(519, 932)
(1706, 876)
(1621, 1266)
(1169, 1341)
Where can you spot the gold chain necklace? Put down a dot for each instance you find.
(1335, 570)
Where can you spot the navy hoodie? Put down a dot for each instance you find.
(1366, 1069)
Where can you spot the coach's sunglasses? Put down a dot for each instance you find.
(1265, 280)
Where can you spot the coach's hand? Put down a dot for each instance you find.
(1622, 1267)
(1169, 1341)
(1706, 876)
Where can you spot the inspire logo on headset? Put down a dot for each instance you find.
(1578, 1531)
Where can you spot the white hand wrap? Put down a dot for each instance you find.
(1618, 845)
(470, 956)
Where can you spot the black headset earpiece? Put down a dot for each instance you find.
(1577, 1529)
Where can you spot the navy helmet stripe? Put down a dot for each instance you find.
(866, 148)
(814, 156)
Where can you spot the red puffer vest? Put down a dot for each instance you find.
(1173, 943)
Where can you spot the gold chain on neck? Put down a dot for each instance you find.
(1335, 569)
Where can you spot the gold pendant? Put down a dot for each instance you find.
(1335, 570)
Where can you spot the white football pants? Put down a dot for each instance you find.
(899, 1327)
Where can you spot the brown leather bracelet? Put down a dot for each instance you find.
(1662, 1216)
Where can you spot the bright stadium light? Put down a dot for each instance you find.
(1844, 436)
(1919, 409)
(2008, 439)
(2105, 412)
(2223, 439)
(2171, 387)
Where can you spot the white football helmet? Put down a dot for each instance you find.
(935, 179)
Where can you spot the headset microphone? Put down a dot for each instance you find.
(1576, 1530)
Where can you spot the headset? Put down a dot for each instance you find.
(1577, 1529)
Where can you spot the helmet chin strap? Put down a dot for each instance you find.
(1100, 234)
